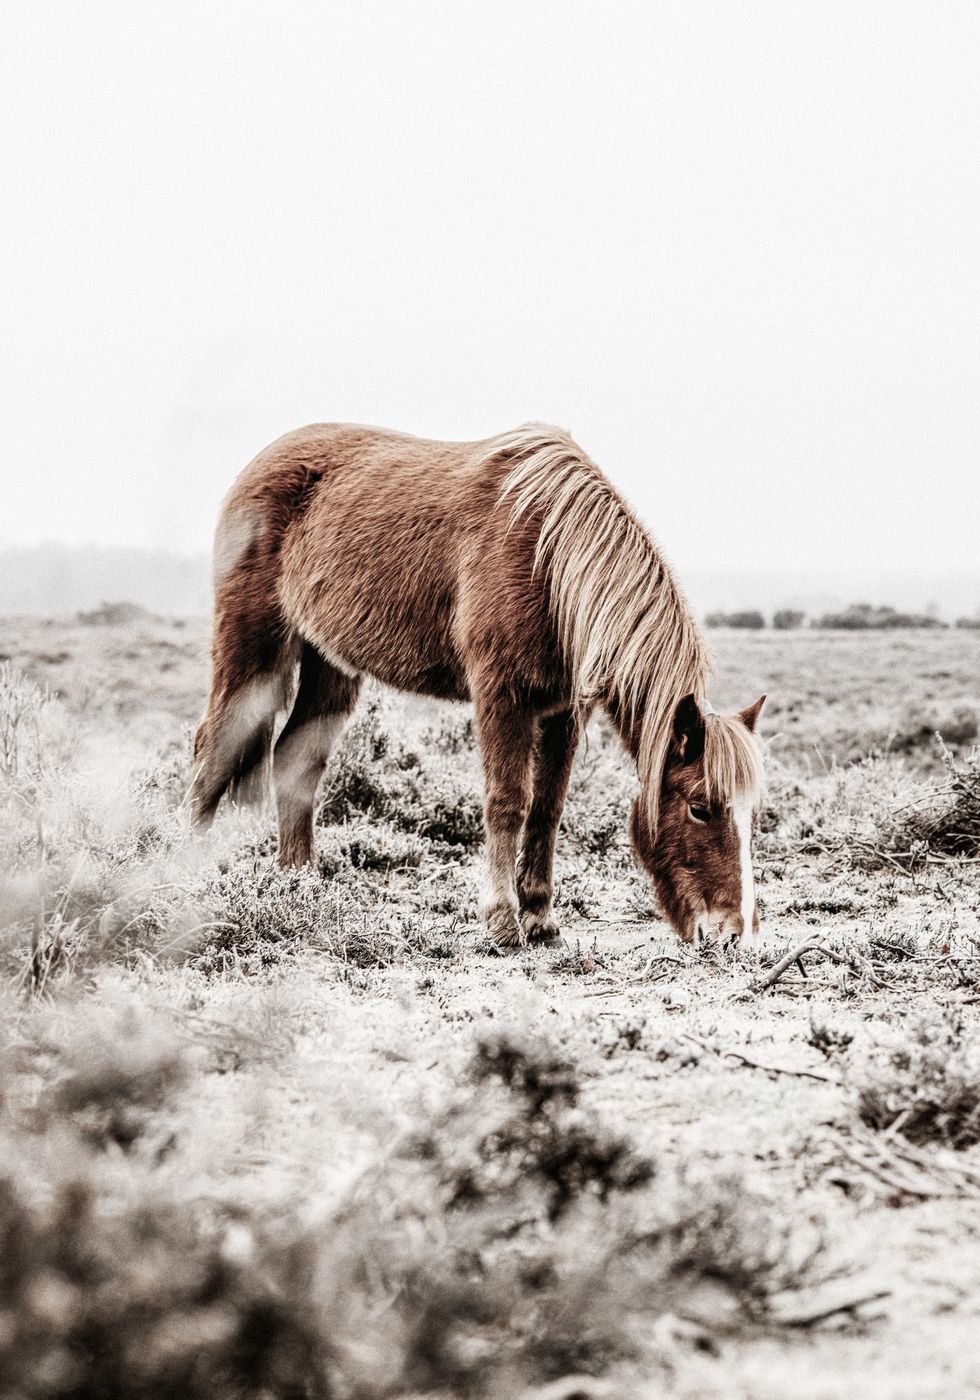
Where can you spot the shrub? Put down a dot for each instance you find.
(942, 819)
(787, 619)
(828, 1038)
(35, 736)
(513, 1242)
(922, 1081)
(257, 916)
(543, 1141)
(121, 614)
(419, 791)
(141, 1299)
(918, 728)
(552, 1254)
(112, 1067)
(595, 821)
(875, 815)
(750, 619)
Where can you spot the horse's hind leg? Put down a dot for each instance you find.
(506, 731)
(554, 750)
(324, 700)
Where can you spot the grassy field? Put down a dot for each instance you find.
(308, 1135)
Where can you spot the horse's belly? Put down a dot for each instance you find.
(409, 671)
(379, 617)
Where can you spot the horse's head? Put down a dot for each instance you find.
(700, 858)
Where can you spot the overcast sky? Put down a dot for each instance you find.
(735, 248)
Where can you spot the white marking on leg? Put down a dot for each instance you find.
(306, 751)
(499, 883)
(742, 817)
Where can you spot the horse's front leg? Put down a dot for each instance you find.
(506, 732)
(554, 751)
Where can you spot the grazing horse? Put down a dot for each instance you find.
(508, 572)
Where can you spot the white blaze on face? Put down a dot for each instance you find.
(742, 817)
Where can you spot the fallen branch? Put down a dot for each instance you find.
(772, 977)
(820, 1312)
(759, 1064)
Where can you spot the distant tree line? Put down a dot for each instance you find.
(858, 617)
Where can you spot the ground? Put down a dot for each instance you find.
(309, 1134)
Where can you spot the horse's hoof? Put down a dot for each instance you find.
(505, 928)
(540, 928)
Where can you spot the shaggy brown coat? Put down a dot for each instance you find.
(507, 572)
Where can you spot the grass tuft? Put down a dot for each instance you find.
(922, 1080)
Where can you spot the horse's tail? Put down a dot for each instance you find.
(254, 648)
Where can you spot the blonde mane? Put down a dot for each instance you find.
(732, 760)
(623, 623)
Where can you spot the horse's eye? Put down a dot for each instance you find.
(699, 814)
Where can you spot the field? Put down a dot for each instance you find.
(310, 1135)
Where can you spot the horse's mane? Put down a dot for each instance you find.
(732, 759)
(623, 623)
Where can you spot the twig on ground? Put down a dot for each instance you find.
(663, 957)
(762, 984)
(759, 1064)
(820, 1312)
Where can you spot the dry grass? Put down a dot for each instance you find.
(923, 1080)
(306, 1134)
(490, 1248)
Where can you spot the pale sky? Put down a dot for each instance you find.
(735, 248)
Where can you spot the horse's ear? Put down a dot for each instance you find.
(750, 715)
(688, 730)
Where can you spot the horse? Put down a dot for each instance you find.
(508, 572)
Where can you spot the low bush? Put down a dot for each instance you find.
(876, 815)
(945, 819)
(375, 775)
(542, 1142)
(939, 820)
(257, 915)
(122, 614)
(432, 787)
(911, 733)
(36, 736)
(512, 1241)
(922, 1080)
(919, 727)
(135, 1300)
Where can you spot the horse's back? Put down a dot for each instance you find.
(374, 535)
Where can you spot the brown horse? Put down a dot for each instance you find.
(508, 572)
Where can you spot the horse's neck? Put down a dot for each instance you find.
(628, 727)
